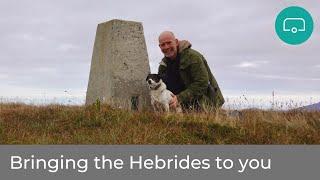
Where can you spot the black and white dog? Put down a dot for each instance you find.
(160, 95)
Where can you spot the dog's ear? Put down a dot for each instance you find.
(148, 76)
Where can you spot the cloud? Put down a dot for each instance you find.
(27, 37)
(45, 70)
(49, 44)
(253, 64)
(4, 76)
(288, 78)
(67, 47)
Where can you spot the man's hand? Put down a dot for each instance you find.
(174, 101)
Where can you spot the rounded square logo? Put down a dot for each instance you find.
(294, 25)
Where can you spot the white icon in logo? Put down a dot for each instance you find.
(294, 25)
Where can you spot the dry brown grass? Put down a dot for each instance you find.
(101, 124)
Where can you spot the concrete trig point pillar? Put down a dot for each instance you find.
(119, 66)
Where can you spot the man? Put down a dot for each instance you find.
(187, 75)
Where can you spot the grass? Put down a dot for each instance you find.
(101, 124)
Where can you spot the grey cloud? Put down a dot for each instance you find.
(251, 64)
(48, 44)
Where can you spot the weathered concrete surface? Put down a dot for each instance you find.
(119, 65)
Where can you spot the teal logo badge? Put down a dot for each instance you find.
(294, 25)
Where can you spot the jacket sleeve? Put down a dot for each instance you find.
(199, 80)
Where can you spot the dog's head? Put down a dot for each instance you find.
(153, 81)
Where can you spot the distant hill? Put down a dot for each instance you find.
(312, 107)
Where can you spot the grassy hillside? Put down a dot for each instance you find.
(100, 124)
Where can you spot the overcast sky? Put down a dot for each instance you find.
(46, 46)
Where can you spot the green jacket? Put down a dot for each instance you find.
(196, 75)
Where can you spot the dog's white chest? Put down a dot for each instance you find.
(162, 97)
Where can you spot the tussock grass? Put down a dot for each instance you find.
(101, 124)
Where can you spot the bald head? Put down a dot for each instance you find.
(168, 44)
(167, 34)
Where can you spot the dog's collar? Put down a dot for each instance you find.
(157, 87)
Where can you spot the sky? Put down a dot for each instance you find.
(46, 46)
